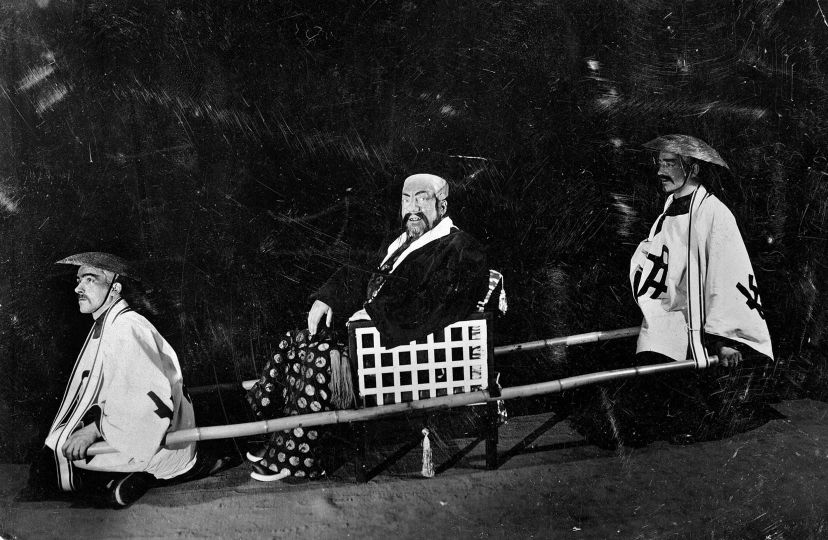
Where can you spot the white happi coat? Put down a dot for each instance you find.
(691, 276)
(128, 370)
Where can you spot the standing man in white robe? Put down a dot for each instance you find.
(698, 294)
(692, 276)
(126, 388)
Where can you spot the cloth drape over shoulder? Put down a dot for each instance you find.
(128, 380)
(435, 281)
(692, 277)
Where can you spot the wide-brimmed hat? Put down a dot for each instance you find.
(104, 261)
(685, 145)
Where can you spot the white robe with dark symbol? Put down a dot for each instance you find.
(130, 372)
(692, 276)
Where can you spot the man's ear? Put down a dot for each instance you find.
(442, 207)
(116, 287)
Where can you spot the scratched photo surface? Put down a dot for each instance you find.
(241, 151)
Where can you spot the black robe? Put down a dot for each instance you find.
(434, 286)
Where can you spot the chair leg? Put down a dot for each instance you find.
(491, 431)
(361, 457)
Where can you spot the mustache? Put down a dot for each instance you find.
(419, 215)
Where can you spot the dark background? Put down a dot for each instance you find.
(241, 150)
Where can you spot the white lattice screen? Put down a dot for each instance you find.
(453, 361)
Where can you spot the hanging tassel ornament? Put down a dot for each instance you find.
(428, 464)
(342, 384)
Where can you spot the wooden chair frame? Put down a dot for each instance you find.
(460, 359)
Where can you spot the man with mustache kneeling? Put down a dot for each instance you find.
(432, 275)
(126, 388)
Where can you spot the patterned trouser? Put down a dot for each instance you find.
(295, 381)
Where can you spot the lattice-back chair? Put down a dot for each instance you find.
(455, 360)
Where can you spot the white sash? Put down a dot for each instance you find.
(695, 286)
(81, 395)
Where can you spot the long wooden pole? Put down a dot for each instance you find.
(575, 339)
(444, 402)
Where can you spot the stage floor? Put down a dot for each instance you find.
(767, 483)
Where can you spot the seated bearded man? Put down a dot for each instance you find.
(432, 275)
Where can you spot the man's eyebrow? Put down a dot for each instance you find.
(422, 191)
(89, 274)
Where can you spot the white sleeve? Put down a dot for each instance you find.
(136, 398)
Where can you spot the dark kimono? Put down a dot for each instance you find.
(419, 287)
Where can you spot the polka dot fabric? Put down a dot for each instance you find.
(295, 381)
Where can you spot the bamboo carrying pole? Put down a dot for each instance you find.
(444, 402)
(575, 339)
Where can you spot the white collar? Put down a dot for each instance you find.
(442, 229)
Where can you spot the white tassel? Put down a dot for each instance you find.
(428, 465)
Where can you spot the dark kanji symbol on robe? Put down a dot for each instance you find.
(162, 411)
(752, 295)
(657, 278)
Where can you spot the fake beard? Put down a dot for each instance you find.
(419, 228)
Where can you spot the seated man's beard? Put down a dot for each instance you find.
(419, 228)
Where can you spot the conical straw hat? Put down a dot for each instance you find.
(685, 145)
(104, 261)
